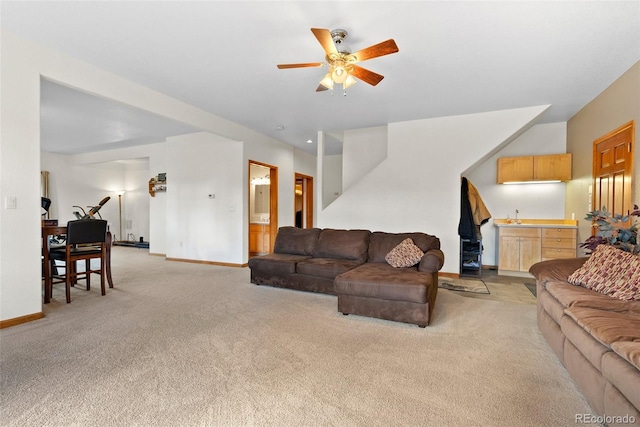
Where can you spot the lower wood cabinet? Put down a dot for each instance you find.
(259, 238)
(559, 243)
(521, 247)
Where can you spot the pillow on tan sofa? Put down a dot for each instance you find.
(406, 254)
(610, 271)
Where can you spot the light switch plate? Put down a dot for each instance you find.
(10, 202)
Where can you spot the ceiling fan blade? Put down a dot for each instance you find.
(321, 88)
(366, 75)
(385, 48)
(303, 65)
(324, 37)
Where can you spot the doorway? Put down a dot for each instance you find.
(303, 201)
(263, 207)
(613, 171)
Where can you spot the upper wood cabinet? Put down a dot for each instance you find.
(534, 168)
(515, 169)
(552, 167)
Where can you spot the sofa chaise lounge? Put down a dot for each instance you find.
(352, 264)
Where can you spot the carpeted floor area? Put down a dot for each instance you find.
(180, 344)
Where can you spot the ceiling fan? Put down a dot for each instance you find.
(342, 63)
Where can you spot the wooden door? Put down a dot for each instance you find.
(613, 170)
(265, 239)
(303, 201)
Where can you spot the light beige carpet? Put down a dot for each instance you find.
(179, 344)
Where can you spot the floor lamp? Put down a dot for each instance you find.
(120, 193)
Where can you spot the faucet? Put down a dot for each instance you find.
(517, 212)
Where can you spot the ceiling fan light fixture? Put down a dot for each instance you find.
(327, 81)
(341, 62)
(349, 81)
(338, 37)
(339, 75)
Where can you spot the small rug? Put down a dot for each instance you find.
(464, 285)
(532, 288)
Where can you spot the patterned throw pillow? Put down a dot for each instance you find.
(612, 272)
(406, 254)
(628, 286)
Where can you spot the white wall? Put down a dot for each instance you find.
(83, 185)
(332, 184)
(544, 201)
(23, 65)
(362, 150)
(135, 200)
(158, 203)
(198, 157)
(20, 250)
(199, 227)
(137, 164)
(417, 188)
(304, 162)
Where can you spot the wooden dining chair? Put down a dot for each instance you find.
(86, 240)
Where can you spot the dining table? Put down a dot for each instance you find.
(57, 230)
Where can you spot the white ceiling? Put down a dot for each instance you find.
(77, 122)
(221, 56)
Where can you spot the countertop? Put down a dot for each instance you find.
(538, 223)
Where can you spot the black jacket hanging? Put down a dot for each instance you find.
(466, 226)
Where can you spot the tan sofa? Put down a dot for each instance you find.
(595, 336)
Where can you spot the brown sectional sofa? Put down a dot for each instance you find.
(351, 264)
(595, 336)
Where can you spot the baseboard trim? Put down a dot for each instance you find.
(19, 320)
(451, 275)
(195, 261)
(155, 254)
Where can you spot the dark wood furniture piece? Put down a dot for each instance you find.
(48, 274)
(86, 240)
